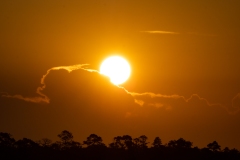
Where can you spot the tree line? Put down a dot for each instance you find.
(122, 147)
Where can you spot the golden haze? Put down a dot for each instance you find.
(186, 53)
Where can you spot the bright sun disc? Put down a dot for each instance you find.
(116, 68)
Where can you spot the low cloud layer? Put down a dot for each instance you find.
(142, 99)
(41, 96)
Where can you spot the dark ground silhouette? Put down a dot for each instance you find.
(122, 148)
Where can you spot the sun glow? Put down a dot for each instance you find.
(116, 68)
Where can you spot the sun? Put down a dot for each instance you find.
(116, 68)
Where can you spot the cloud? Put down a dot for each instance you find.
(160, 32)
(41, 96)
(142, 99)
(159, 100)
(190, 33)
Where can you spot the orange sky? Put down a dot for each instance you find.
(185, 54)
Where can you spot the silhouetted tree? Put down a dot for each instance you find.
(75, 144)
(7, 146)
(93, 140)
(117, 143)
(66, 141)
(65, 136)
(26, 143)
(214, 146)
(180, 143)
(157, 143)
(96, 149)
(122, 142)
(122, 147)
(45, 142)
(56, 145)
(128, 144)
(141, 142)
(27, 149)
(226, 150)
(234, 150)
(6, 140)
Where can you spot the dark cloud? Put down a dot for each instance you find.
(41, 96)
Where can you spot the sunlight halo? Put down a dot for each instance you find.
(116, 68)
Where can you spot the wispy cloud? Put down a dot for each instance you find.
(160, 100)
(189, 33)
(160, 32)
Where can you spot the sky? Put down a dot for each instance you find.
(184, 56)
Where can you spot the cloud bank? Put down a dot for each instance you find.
(41, 96)
(142, 99)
